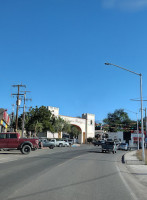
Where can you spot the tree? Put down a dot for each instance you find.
(67, 127)
(58, 124)
(37, 127)
(75, 131)
(117, 120)
(38, 119)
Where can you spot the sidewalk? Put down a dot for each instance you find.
(136, 167)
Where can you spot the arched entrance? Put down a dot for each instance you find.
(75, 131)
(86, 123)
(79, 123)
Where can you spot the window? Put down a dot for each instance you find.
(91, 122)
(2, 136)
(13, 136)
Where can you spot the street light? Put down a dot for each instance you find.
(143, 154)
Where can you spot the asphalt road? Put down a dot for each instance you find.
(79, 174)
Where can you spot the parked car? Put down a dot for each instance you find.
(46, 143)
(66, 144)
(70, 141)
(123, 146)
(58, 143)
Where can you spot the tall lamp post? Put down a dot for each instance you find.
(142, 130)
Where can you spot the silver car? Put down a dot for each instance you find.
(123, 146)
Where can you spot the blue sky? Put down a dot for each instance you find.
(57, 48)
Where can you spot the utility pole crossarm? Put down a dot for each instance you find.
(17, 94)
(19, 85)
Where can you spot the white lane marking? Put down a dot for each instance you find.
(126, 184)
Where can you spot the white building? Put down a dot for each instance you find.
(116, 135)
(133, 141)
(86, 124)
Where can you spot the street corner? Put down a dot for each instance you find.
(130, 158)
(136, 167)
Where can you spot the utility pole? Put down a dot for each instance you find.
(24, 107)
(23, 119)
(12, 117)
(17, 103)
(137, 133)
(145, 122)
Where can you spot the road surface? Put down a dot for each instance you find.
(73, 174)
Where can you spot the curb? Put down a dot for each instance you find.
(130, 158)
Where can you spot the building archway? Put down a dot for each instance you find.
(75, 131)
(86, 123)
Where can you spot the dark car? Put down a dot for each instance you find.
(99, 142)
(109, 147)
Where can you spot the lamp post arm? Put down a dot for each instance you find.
(122, 68)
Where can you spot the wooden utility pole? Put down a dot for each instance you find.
(24, 107)
(17, 103)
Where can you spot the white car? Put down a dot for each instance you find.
(66, 144)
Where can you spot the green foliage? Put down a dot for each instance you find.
(67, 127)
(37, 127)
(117, 120)
(74, 132)
(58, 125)
(40, 119)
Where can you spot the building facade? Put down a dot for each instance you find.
(4, 120)
(86, 124)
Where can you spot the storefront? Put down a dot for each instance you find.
(4, 120)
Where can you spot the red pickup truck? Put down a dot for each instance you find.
(13, 141)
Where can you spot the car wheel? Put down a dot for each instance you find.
(26, 149)
(51, 147)
(60, 145)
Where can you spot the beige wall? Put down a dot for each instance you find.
(86, 123)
